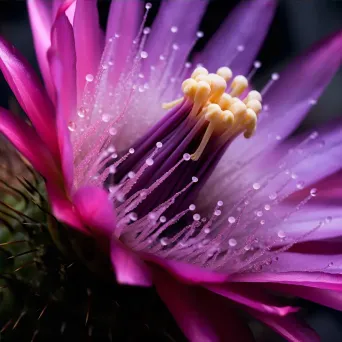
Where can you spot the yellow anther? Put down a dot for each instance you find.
(227, 118)
(253, 95)
(213, 112)
(201, 97)
(189, 87)
(225, 101)
(238, 108)
(170, 105)
(239, 85)
(218, 87)
(199, 71)
(251, 122)
(225, 73)
(255, 105)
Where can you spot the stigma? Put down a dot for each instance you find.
(225, 111)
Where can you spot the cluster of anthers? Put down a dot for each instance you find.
(228, 115)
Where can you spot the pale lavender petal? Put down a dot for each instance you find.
(201, 315)
(293, 329)
(129, 268)
(183, 17)
(291, 97)
(63, 61)
(245, 27)
(40, 14)
(89, 41)
(30, 94)
(253, 297)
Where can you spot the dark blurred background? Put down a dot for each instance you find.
(297, 24)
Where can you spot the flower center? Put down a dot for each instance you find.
(227, 115)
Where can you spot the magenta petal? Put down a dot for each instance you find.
(329, 298)
(26, 140)
(289, 99)
(247, 26)
(202, 316)
(30, 94)
(187, 273)
(129, 268)
(293, 329)
(310, 279)
(62, 62)
(96, 211)
(41, 21)
(251, 296)
(89, 41)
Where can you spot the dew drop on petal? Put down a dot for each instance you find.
(220, 203)
(256, 186)
(162, 219)
(105, 118)
(133, 216)
(281, 234)
(197, 217)
(259, 213)
(275, 77)
(192, 207)
(186, 156)
(131, 174)
(217, 212)
(267, 207)
(231, 219)
(143, 54)
(199, 34)
(146, 30)
(232, 242)
(71, 126)
(159, 144)
(314, 135)
(206, 230)
(163, 241)
(240, 48)
(112, 131)
(81, 112)
(313, 192)
(89, 78)
(174, 29)
(300, 185)
(149, 161)
(131, 150)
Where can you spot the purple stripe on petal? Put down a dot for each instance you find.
(202, 316)
(247, 27)
(30, 94)
(89, 41)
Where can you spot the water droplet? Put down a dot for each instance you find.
(149, 161)
(217, 212)
(246, 202)
(159, 144)
(71, 126)
(247, 248)
(197, 217)
(262, 222)
(257, 64)
(131, 174)
(112, 131)
(331, 264)
(199, 34)
(328, 219)
(206, 230)
(232, 242)
(133, 216)
(259, 213)
(131, 150)
(281, 234)
(256, 186)
(81, 112)
(313, 192)
(146, 30)
(143, 54)
(188, 65)
(163, 241)
(275, 77)
(220, 203)
(105, 117)
(312, 102)
(174, 29)
(294, 176)
(314, 135)
(267, 207)
(240, 48)
(152, 216)
(278, 137)
(300, 185)
(231, 219)
(162, 219)
(192, 207)
(186, 156)
(194, 179)
(90, 78)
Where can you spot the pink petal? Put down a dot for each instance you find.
(41, 21)
(294, 330)
(28, 143)
(88, 39)
(246, 26)
(63, 68)
(185, 16)
(124, 19)
(310, 279)
(95, 211)
(254, 297)
(129, 268)
(329, 298)
(29, 93)
(187, 273)
(289, 98)
(202, 316)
